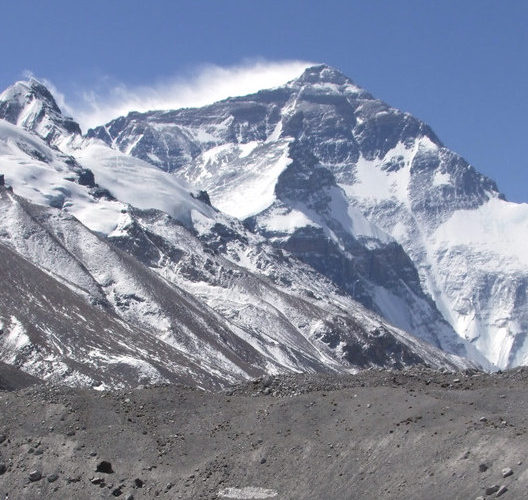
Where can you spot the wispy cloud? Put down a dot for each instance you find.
(204, 85)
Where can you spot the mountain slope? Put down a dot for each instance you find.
(54, 334)
(104, 277)
(259, 333)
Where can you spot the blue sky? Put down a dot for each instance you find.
(461, 66)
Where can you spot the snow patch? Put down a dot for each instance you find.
(17, 337)
(441, 179)
(240, 178)
(374, 183)
(497, 227)
(247, 492)
(286, 220)
(137, 182)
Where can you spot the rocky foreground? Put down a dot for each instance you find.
(412, 435)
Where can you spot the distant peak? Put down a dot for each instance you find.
(31, 105)
(30, 90)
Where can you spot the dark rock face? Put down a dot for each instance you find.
(203, 196)
(167, 149)
(305, 181)
(355, 264)
(86, 178)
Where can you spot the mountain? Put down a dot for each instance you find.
(254, 171)
(116, 272)
(365, 194)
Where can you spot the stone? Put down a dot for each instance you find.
(3, 437)
(35, 475)
(105, 467)
(483, 419)
(52, 478)
(492, 489)
(501, 491)
(506, 472)
(483, 468)
(3, 468)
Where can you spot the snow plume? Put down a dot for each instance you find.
(204, 85)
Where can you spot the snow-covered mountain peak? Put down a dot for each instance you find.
(23, 92)
(30, 105)
(325, 77)
(323, 73)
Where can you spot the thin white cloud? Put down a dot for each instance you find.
(205, 85)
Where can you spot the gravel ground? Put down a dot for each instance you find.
(411, 435)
